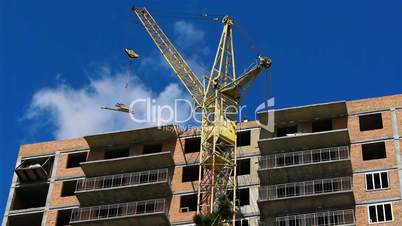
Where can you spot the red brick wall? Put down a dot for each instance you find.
(175, 214)
(339, 123)
(57, 200)
(51, 218)
(361, 195)
(362, 219)
(374, 104)
(359, 164)
(52, 146)
(399, 119)
(357, 135)
(178, 185)
(183, 158)
(63, 171)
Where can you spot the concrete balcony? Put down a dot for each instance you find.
(299, 141)
(333, 218)
(150, 212)
(142, 135)
(128, 164)
(305, 165)
(304, 113)
(124, 187)
(307, 195)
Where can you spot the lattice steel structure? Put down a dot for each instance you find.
(219, 101)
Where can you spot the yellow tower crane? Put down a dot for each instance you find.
(219, 100)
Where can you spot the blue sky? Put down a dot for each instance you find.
(61, 60)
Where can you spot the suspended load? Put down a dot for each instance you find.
(131, 53)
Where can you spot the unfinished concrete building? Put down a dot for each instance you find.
(335, 163)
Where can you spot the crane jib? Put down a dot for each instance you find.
(172, 56)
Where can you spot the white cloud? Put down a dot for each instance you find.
(188, 38)
(153, 61)
(198, 66)
(75, 112)
(186, 34)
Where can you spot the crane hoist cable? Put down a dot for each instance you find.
(131, 55)
(188, 15)
(130, 63)
(245, 35)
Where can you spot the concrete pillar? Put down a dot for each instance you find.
(51, 184)
(11, 194)
(396, 137)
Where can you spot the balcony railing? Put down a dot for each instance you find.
(304, 157)
(118, 210)
(305, 188)
(120, 180)
(338, 217)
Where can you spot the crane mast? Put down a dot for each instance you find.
(219, 102)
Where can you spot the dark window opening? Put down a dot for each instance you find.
(144, 178)
(297, 159)
(324, 156)
(31, 219)
(243, 138)
(63, 217)
(377, 181)
(369, 182)
(192, 145)
(190, 173)
(188, 203)
(30, 196)
(321, 125)
(316, 156)
(322, 220)
(282, 223)
(281, 191)
(74, 160)
(243, 167)
(318, 188)
(380, 213)
(154, 148)
(243, 222)
(373, 214)
(288, 160)
(103, 211)
(374, 151)
(370, 122)
(388, 212)
(118, 153)
(68, 188)
(242, 196)
(290, 191)
(280, 161)
(384, 180)
(281, 132)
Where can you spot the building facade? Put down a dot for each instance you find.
(337, 163)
